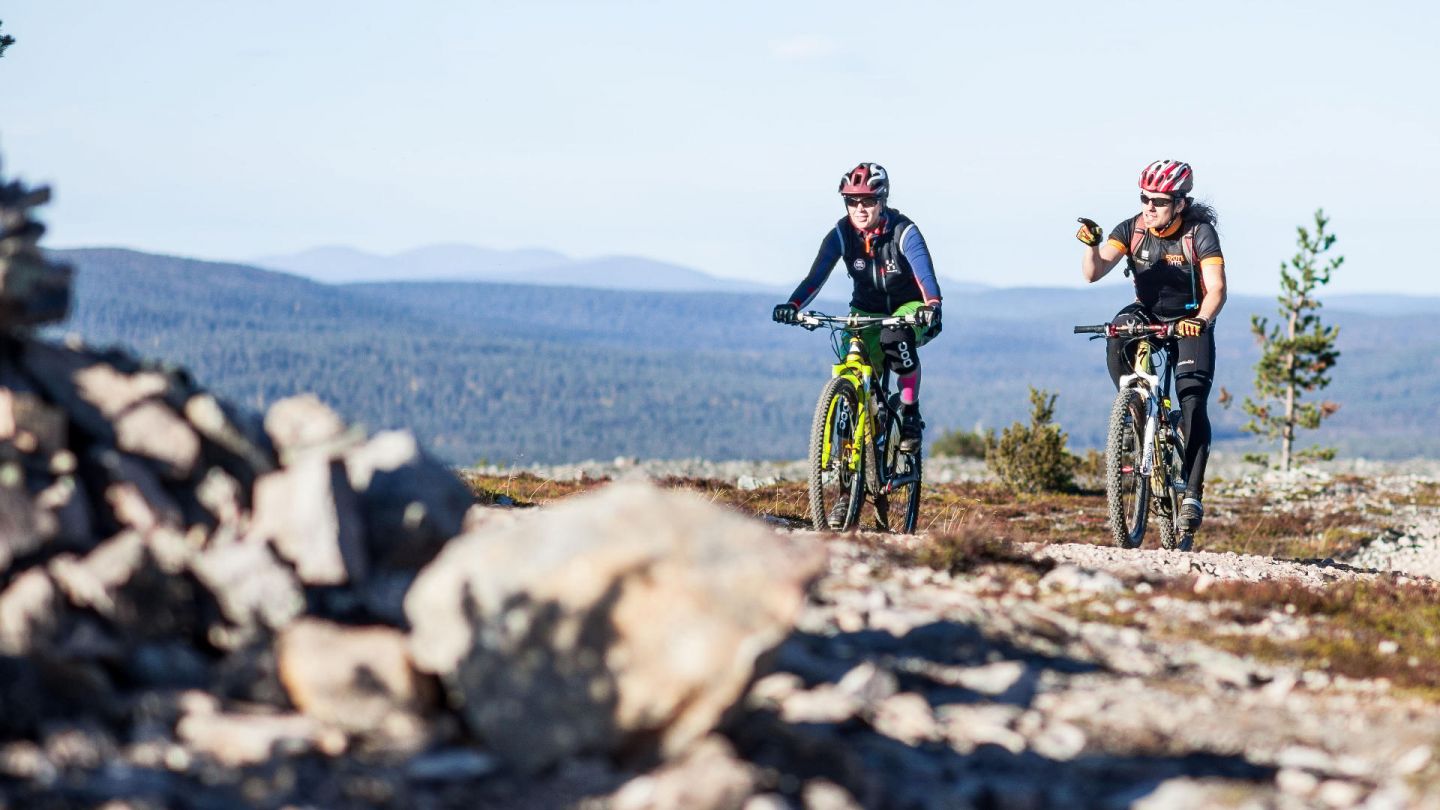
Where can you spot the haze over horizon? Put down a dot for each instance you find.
(713, 138)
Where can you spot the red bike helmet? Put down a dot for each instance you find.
(866, 180)
(1168, 177)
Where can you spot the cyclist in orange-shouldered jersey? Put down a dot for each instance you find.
(1173, 254)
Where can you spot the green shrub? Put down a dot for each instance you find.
(962, 444)
(1033, 458)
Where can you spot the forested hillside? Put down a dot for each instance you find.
(522, 374)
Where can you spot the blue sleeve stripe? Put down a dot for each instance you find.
(913, 248)
(820, 270)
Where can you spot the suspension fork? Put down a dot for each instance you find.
(1147, 456)
(859, 375)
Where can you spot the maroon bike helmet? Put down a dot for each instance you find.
(866, 180)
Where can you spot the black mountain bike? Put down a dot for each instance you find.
(1144, 449)
(855, 436)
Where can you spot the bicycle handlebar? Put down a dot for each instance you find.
(814, 320)
(1160, 330)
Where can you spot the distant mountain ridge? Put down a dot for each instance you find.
(538, 374)
(459, 262)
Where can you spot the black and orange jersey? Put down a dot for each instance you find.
(1166, 283)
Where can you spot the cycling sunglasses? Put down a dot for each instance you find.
(867, 202)
(1158, 202)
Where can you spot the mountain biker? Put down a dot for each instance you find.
(890, 266)
(1173, 253)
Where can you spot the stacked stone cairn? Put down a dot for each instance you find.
(200, 607)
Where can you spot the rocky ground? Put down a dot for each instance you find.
(1007, 659)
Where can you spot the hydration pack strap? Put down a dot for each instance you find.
(1137, 238)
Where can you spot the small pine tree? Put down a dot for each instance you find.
(1298, 351)
(5, 41)
(1033, 458)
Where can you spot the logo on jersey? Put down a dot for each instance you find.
(859, 265)
(1174, 260)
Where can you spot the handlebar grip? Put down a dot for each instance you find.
(1097, 330)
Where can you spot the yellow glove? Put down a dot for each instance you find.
(1193, 326)
(1090, 232)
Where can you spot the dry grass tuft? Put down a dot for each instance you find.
(978, 539)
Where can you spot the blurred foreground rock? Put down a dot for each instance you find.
(624, 622)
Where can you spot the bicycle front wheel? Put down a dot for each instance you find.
(897, 494)
(837, 474)
(1127, 492)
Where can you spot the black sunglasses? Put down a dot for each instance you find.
(1158, 202)
(868, 202)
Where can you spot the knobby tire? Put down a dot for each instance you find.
(1127, 494)
(830, 481)
(1167, 503)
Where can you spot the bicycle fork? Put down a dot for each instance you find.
(1147, 456)
(848, 453)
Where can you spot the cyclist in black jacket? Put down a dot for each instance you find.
(889, 263)
(1173, 254)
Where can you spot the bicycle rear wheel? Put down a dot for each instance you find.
(837, 474)
(897, 493)
(1127, 492)
(1167, 503)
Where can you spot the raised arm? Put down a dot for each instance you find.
(1099, 257)
(1096, 261)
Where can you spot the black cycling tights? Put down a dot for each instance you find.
(1194, 391)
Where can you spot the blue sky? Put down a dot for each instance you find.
(713, 137)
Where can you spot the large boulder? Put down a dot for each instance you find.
(627, 621)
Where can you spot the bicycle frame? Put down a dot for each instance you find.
(1155, 388)
(855, 364)
(1144, 451)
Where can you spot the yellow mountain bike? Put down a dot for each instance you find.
(855, 435)
(1144, 449)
